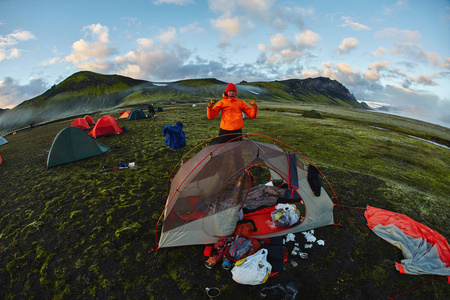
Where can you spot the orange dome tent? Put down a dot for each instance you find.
(80, 123)
(106, 125)
(125, 114)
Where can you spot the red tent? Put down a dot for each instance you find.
(80, 123)
(105, 126)
(89, 120)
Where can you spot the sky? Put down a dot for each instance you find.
(392, 53)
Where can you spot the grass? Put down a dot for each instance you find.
(72, 232)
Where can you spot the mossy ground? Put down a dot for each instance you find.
(72, 232)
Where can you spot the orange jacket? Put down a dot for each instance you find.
(232, 109)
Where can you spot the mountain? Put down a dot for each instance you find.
(87, 92)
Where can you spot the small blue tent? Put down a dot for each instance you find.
(137, 114)
(3, 141)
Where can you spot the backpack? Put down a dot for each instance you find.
(241, 247)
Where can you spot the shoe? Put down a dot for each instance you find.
(211, 262)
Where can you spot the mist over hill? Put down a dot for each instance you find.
(87, 92)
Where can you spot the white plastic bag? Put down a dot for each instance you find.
(285, 215)
(252, 270)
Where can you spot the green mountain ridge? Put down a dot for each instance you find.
(86, 92)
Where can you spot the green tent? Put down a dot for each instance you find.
(137, 114)
(73, 144)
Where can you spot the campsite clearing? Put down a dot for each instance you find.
(72, 232)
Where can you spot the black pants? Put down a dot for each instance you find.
(228, 135)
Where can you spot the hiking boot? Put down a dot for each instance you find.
(226, 264)
(211, 262)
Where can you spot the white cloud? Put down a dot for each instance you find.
(399, 5)
(168, 36)
(417, 53)
(424, 80)
(230, 26)
(88, 53)
(83, 50)
(399, 34)
(379, 52)
(11, 40)
(99, 32)
(225, 7)
(146, 43)
(307, 38)
(344, 68)
(346, 45)
(279, 42)
(192, 28)
(381, 65)
(51, 61)
(23, 35)
(348, 22)
(260, 8)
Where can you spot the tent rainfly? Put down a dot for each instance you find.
(3, 141)
(80, 123)
(106, 125)
(73, 144)
(137, 114)
(124, 114)
(209, 190)
(89, 120)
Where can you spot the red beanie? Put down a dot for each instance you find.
(230, 87)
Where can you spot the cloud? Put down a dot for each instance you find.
(230, 26)
(13, 93)
(379, 52)
(399, 5)
(307, 38)
(281, 50)
(168, 36)
(347, 45)
(7, 43)
(404, 100)
(261, 11)
(348, 22)
(192, 28)
(146, 43)
(98, 32)
(84, 50)
(424, 80)
(399, 34)
(417, 53)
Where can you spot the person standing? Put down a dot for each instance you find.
(232, 120)
(151, 110)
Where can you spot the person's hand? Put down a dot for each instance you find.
(212, 103)
(253, 104)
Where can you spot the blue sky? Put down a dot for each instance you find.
(385, 52)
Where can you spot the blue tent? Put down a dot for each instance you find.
(137, 114)
(3, 141)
